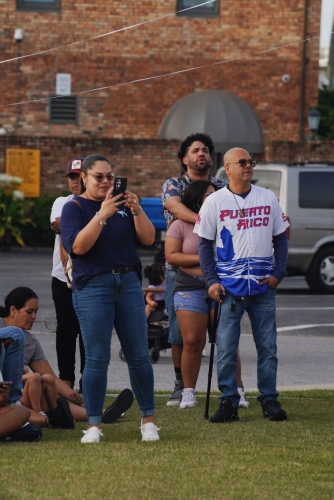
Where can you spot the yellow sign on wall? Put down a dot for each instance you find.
(26, 164)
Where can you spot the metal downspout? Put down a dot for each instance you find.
(303, 73)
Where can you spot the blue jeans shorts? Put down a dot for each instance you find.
(193, 300)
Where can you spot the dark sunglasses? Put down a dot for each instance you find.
(243, 162)
(101, 177)
(73, 177)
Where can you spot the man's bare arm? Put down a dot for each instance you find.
(180, 211)
(55, 225)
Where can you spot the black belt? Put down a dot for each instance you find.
(122, 269)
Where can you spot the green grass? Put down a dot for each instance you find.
(250, 459)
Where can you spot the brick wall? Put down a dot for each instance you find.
(146, 163)
(308, 151)
(244, 28)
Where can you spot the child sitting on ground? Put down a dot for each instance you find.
(156, 278)
(40, 395)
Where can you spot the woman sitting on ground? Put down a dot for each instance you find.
(21, 306)
(14, 424)
(34, 357)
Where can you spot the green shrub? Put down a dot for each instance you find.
(326, 108)
(41, 235)
(13, 210)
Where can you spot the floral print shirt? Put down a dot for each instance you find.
(176, 186)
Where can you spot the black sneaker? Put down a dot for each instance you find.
(176, 396)
(61, 416)
(121, 404)
(273, 411)
(225, 413)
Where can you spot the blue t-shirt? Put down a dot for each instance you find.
(116, 245)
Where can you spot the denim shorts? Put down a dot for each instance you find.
(193, 300)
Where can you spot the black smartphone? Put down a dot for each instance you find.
(4, 382)
(120, 184)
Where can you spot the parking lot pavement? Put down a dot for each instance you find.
(303, 362)
(305, 325)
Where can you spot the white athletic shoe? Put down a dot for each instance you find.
(149, 431)
(92, 435)
(243, 403)
(188, 399)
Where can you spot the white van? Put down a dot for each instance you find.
(306, 195)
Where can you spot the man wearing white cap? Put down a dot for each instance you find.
(67, 324)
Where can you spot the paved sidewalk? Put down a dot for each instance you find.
(305, 356)
(301, 364)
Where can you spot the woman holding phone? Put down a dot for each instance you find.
(100, 232)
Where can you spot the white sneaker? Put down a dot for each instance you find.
(188, 399)
(149, 431)
(243, 403)
(204, 353)
(92, 435)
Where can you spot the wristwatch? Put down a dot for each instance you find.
(139, 211)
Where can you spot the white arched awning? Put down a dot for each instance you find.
(227, 118)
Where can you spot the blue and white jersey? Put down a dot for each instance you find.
(242, 231)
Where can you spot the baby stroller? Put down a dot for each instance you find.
(157, 332)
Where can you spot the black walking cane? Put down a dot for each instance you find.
(212, 339)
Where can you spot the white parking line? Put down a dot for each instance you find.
(303, 308)
(301, 327)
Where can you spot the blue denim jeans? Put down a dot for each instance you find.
(13, 363)
(261, 310)
(114, 300)
(175, 336)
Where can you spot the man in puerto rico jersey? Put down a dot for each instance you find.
(240, 227)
